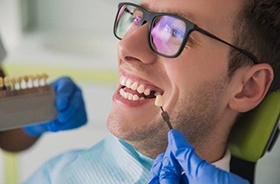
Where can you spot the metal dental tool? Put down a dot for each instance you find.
(164, 114)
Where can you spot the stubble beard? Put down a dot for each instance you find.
(150, 139)
(195, 115)
(198, 121)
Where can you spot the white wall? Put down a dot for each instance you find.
(78, 39)
(10, 23)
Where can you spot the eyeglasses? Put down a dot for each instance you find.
(168, 33)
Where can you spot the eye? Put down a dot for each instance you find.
(177, 33)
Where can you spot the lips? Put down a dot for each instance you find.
(137, 90)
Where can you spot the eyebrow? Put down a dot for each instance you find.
(186, 15)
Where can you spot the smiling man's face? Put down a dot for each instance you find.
(194, 85)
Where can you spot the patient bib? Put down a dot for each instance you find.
(111, 161)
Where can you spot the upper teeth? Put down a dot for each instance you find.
(136, 86)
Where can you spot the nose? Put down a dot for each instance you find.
(135, 46)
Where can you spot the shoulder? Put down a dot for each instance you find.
(48, 171)
(61, 160)
(52, 169)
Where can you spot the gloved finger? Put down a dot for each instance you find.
(195, 169)
(72, 124)
(171, 170)
(64, 89)
(183, 150)
(36, 130)
(76, 121)
(155, 170)
(76, 104)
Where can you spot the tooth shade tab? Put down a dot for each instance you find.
(159, 101)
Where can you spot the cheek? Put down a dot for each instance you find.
(195, 68)
(192, 73)
(183, 73)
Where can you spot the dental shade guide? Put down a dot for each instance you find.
(164, 114)
(26, 100)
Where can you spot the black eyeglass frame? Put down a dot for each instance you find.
(190, 27)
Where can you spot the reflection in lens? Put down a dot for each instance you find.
(167, 34)
(128, 19)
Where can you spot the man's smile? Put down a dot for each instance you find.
(137, 90)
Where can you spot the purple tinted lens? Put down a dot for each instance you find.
(167, 34)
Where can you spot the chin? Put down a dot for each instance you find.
(118, 126)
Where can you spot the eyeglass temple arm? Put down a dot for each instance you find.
(217, 38)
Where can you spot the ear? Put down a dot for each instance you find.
(254, 86)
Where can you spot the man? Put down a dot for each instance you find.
(71, 114)
(210, 60)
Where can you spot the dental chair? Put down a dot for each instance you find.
(253, 135)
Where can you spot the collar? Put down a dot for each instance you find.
(224, 162)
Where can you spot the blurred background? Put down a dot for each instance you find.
(73, 38)
(64, 37)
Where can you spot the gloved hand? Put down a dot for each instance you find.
(70, 106)
(180, 164)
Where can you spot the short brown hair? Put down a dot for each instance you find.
(257, 29)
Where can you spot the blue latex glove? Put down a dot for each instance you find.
(180, 156)
(70, 106)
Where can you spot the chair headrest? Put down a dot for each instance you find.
(257, 130)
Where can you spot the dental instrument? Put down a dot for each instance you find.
(164, 114)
